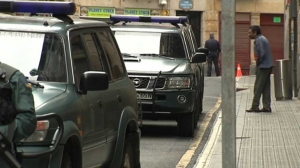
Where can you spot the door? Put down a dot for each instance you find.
(85, 57)
(194, 18)
(272, 27)
(114, 97)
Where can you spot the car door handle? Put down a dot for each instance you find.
(99, 102)
(119, 98)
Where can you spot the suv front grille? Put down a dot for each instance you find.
(146, 83)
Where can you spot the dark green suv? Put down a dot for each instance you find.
(78, 74)
(165, 66)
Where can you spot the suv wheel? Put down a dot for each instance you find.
(185, 124)
(128, 161)
(66, 161)
(196, 112)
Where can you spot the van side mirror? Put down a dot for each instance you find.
(93, 81)
(198, 58)
(203, 50)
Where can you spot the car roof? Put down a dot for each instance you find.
(147, 27)
(36, 23)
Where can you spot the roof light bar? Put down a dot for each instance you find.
(56, 8)
(156, 19)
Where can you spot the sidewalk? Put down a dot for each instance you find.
(264, 140)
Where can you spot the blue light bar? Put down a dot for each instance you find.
(155, 19)
(56, 8)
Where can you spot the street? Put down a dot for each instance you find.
(161, 147)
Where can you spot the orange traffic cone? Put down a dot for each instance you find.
(239, 72)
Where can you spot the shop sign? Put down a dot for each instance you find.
(139, 12)
(99, 12)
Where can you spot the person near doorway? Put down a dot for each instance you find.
(214, 49)
(264, 66)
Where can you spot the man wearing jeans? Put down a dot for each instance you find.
(264, 66)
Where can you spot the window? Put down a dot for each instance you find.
(114, 59)
(171, 45)
(43, 54)
(94, 58)
(79, 57)
(52, 66)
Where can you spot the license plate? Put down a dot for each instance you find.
(144, 95)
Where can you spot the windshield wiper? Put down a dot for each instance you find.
(157, 55)
(128, 55)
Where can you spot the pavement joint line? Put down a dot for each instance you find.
(206, 155)
(186, 158)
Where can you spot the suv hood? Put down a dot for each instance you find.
(42, 95)
(155, 64)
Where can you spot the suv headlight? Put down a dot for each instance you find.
(178, 83)
(40, 132)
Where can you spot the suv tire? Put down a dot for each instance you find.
(128, 157)
(185, 124)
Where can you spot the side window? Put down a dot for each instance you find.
(79, 57)
(96, 63)
(114, 59)
(188, 42)
(52, 66)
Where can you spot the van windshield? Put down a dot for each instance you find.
(166, 44)
(39, 56)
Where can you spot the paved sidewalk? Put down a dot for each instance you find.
(264, 140)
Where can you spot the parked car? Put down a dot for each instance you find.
(77, 73)
(165, 65)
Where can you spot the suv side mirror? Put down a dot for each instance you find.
(93, 81)
(203, 50)
(199, 58)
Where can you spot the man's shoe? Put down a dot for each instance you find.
(253, 110)
(267, 110)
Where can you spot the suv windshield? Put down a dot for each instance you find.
(39, 56)
(165, 44)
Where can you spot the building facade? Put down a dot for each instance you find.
(205, 18)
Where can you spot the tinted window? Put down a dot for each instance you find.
(52, 66)
(80, 62)
(94, 57)
(114, 59)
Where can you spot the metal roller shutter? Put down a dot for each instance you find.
(242, 41)
(272, 27)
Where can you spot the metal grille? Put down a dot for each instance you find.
(143, 81)
(160, 83)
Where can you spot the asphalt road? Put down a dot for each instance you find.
(161, 147)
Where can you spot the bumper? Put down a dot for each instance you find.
(47, 161)
(166, 101)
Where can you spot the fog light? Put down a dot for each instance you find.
(181, 99)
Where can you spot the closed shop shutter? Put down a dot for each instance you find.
(242, 41)
(272, 27)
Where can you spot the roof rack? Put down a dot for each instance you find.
(174, 20)
(59, 10)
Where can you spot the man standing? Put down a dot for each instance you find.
(264, 66)
(214, 49)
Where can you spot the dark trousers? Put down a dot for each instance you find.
(262, 86)
(215, 60)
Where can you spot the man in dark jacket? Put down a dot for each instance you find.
(214, 49)
(264, 66)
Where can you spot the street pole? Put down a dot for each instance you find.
(294, 17)
(228, 84)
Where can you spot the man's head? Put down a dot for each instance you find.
(254, 31)
(211, 35)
